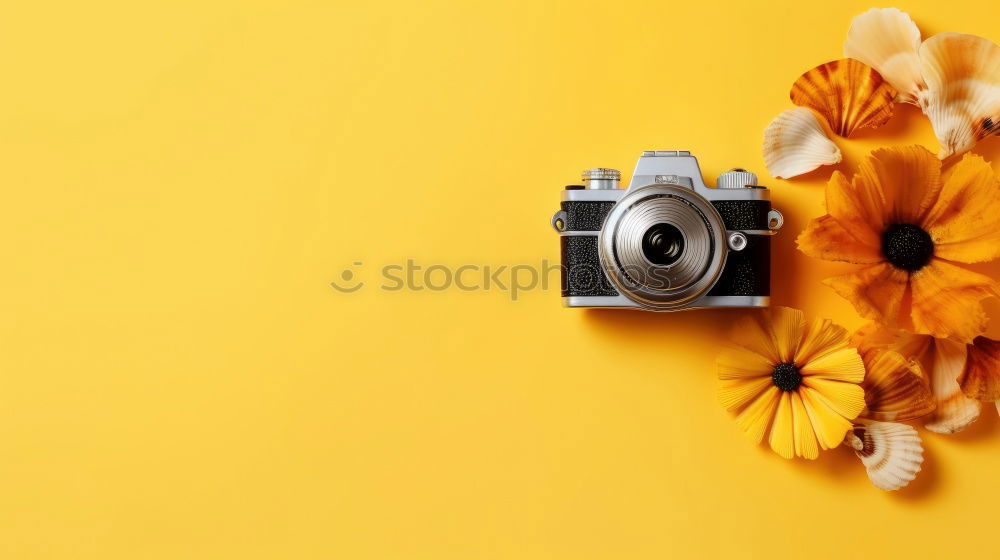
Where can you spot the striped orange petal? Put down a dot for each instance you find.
(895, 388)
(850, 94)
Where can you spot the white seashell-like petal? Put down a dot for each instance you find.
(962, 100)
(954, 410)
(890, 452)
(795, 143)
(887, 40)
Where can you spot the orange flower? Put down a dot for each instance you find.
(908, 226)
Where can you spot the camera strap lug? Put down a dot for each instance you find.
(775, 220)
(559, 221)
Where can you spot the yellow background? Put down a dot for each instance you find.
(182, 181)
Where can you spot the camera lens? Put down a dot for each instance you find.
(663, 244)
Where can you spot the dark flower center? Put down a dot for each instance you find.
(786, 376)
(907, 246)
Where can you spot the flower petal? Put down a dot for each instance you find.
(946, 300)
(740, 363)
(848, 399)
(980, 378)
(821, 338)
(954, 410)
(848, 93)
(908, 177)
(756, 417)
(795, 143)
(829, 426)
(887, 40)
(962, 99)
(913, 347)
(787, 325)
(753, 332)
(858, 206)
(805, 437)
(734, 393)
(824, 238)
(873, 336)
(895, 389)
(781, 438)
(875, 291)
(963, 223)
(841, 365)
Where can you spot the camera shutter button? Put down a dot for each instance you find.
(736, 179)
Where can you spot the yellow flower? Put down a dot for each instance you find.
(908, 226)
(799, 380)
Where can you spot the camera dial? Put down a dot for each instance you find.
(736, 179)
(601, 178)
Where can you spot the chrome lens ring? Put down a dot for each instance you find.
(690, 273)
(635, 226)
